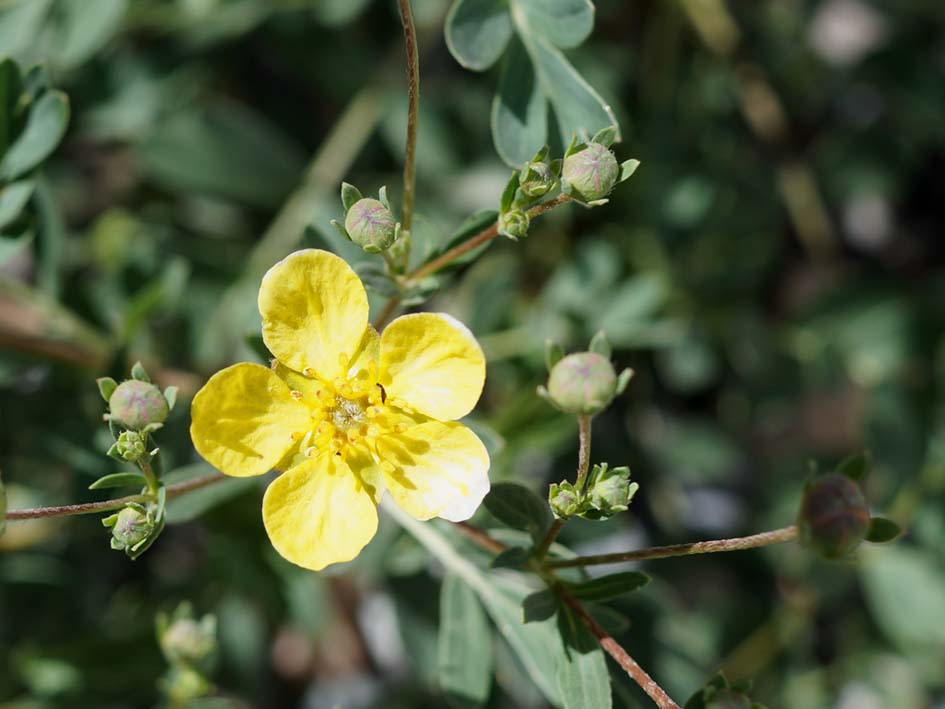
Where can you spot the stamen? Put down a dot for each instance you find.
(308, 372)
(311, 451)
(297, 395)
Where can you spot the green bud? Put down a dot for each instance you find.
(591, 173)
(135, 404)
(582, 383)
(130, 527)
(610, 491)
(537, 180)
(564, 499)
(514, 224)
(371, 225)
(834, 518)
(131, 446)
(182, 684)
(189, 641)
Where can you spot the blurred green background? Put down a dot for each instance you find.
(774, 272)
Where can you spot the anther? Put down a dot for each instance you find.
(311, 451)
(297, 395)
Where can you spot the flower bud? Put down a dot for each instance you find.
(371, 225)
(610, 491)
(189, 641)
(591, 172)
(136, 404)
(131, 446)
(582, 383)
(564, 499)
(834, 517)
(537, 180)
(514, 224)
(130, 527)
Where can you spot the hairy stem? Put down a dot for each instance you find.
(776, 536)
(413, 99)
(106, 505)
(447, 257)
(620, 655)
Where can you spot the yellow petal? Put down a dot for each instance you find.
(439, 470)
(433, 363)
(314, 309)
(319, 513)
(243, 418)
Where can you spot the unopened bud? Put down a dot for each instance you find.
(537, 180)
(611, 491)
(834, 517)
(582, 383)
(131, 446)
(190, 641)
(130, 527)
(371, 225)
(514, 224)
(591, 172)
(564, 499)
(136, 404)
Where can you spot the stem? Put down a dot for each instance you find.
(413, 99)
(584, 462)
(447, 257)
(621, 656)
(106, 505)
(776, 536)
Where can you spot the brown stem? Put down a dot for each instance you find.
(776, 536)
(621, 656)
(584, 462)
(413, 100)
(447, 257)
(106, 505)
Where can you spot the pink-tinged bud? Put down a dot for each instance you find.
(582, 383)
(834, 517)
(371, 225)
(591, 172)
(135, 404)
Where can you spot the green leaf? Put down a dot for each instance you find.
(349, 195)
(44, 129)
(627, 168)
(12, 200)
(520, 508)
(119, 480)
(508, 194)
(465, 659)
(85, 27)
(511, 558)
(539, 606)
(583, 679)
(609, 586)
(856, 467)
(600, 344)
(519, 109)
(139, 373)
(563, 23)
(553, 353)
(578, 107)
(477, 32)
(882, 530)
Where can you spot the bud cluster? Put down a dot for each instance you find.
(135, 527)
(368, 222)
(190, 648)
(608, 492)
(536, 179)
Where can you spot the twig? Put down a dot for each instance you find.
(106, 505)
(413, 99)
(776, 536)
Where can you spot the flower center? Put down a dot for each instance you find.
(349, 411)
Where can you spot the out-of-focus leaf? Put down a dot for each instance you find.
(44, 129)
(11, 87)
(335, 13)
(563, 23)
(12, 200)
(85, 26)
(465, 645)
(190, 506)
(20, 22)
(882, 530)
(539, 606)
(478, 31)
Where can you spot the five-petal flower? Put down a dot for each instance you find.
(346, 413)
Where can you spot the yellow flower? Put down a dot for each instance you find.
(346, 413)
